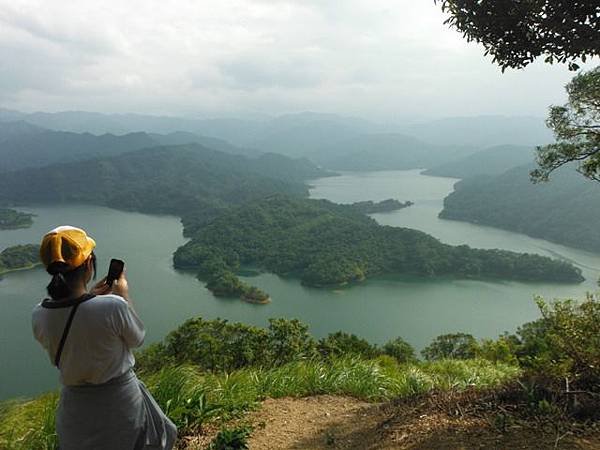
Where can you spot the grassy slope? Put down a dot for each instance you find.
(192, 398)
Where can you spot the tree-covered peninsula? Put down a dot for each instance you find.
(11, 219)
(19, 257)
(389, 205)
(326, 244)
(564, 211)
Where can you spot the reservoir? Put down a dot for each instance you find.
(378, 310)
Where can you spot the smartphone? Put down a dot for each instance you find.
(114, 271)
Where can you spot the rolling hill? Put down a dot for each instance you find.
(565, 210)
(188, 180)
(490, 161)
(23, 145)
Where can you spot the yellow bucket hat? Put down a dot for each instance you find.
(68, 245)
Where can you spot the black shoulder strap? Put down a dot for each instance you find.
(63, 339)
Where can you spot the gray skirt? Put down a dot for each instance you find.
(117, 415)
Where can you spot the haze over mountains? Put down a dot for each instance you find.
(490, 161)
(24, 145)
(333, 141)
(309, 128)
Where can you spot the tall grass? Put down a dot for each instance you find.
(192, 398)
(29, 424)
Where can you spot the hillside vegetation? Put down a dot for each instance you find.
(188, 180)
(207, 374)
(324, 244)
(564, 210)
(195, 394)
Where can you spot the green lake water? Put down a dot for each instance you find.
(378, 310)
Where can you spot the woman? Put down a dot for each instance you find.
(89, 337)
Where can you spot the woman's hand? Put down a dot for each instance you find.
(121, 287)
(100, 288)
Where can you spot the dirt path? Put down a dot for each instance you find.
(332, 422)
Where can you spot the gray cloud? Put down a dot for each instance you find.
(362, 57)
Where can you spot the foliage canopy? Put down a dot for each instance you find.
(576, 126)
(327, 244)
(516, 33)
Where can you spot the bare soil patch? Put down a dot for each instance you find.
(440, 421)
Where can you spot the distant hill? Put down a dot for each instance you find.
(48, 147)
(25, 145)
(190, 181)
(309, 134)
(565, 210)
(18, 129)
(385, 151)
(184, 137)
(240, 132)
(329, 138)
(491, 161)
(303, 139)
(483, 131)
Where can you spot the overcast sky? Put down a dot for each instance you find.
(380, 59)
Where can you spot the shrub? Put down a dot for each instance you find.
(500, 350)
(231, 439)
(454, 346)
(573, 333)
(340, 343)
(289, 340)
(400, 349)
(217, 344)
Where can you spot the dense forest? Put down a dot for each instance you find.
(19, 257)
(191, 181)
(563, 210)
(11, 219)
(326, 244)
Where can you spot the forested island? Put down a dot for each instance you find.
(223, 283)
(19, 257)
(389, 205)
(11, 219)
(326, 244)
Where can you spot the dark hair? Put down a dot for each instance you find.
(64, 280)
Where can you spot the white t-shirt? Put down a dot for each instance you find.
(98, 346)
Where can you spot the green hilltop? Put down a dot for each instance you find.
(327, 244)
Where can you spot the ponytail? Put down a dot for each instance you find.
(64, 281)
(58, 287)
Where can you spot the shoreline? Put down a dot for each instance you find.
(18, 269)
